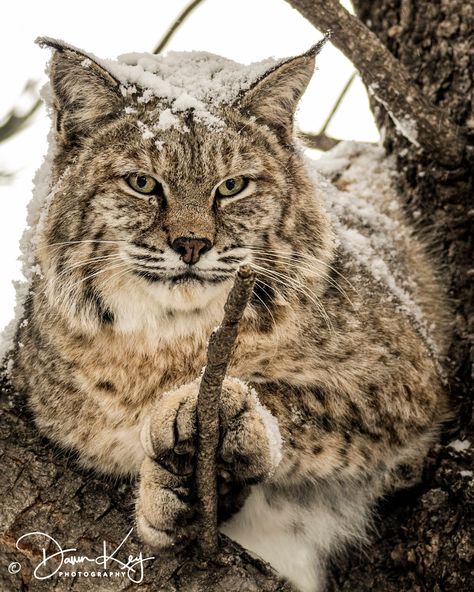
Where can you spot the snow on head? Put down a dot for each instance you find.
(182, 81)
(196, 81)
(188, 77)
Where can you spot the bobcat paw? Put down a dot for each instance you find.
(165, 507)
(249, 451)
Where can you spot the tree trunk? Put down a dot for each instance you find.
(434, 40)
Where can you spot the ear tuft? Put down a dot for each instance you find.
(86, 95)
(273, 98)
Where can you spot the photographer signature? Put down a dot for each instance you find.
(133, 566)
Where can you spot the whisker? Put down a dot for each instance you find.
(74, 286)
(88, 261)
(275, 325)
(230, 259)
(85, 241)
(309, 258)
(77, 265)
(257, 281)
(120, 273)
(95, 274)
(284, 281)
(145, 259)
(297, 286)
(314, 272)
(59, 247)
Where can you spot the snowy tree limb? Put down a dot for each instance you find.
(219, 351)
(321, 141)
(421, 122)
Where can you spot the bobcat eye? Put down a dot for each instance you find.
(143, 183)
(231, 186)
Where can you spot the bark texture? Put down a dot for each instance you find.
(41, 490)
(389, 79)
(434, 40)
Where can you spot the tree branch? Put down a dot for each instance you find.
(219, 352)
(421, 122)
(321, 141)
(317, 141)
(13, 123)
(336, 105)
(176, 24)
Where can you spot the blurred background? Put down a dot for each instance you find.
(244, 30)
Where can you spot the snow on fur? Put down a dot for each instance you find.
(195, 80)
(186, 80)
(366, 227)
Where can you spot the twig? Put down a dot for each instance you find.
(318, 141)
(321, 141)
(15, 123)
(421, 122)
(176, 24)
(219, 351)
(342, 94)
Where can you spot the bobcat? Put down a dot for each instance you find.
(167, 174)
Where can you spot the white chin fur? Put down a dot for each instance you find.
(165, 312)
(186, 297)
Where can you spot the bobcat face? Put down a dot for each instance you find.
(160, 211)
(184, 231)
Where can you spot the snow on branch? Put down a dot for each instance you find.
(429, 128)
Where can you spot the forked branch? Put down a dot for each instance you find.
(421, 122)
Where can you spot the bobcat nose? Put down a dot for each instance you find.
(191, 249)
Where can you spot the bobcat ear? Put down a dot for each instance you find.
(273, 98)
(85, 95)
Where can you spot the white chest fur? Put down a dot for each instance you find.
(296, 538)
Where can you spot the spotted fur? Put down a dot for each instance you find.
(116, 329)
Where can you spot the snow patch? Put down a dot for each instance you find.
(368, 233)
(147, 133)
(460, 445)
(167, 120)
(407, 128)
(405, 125)
(197, 80)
